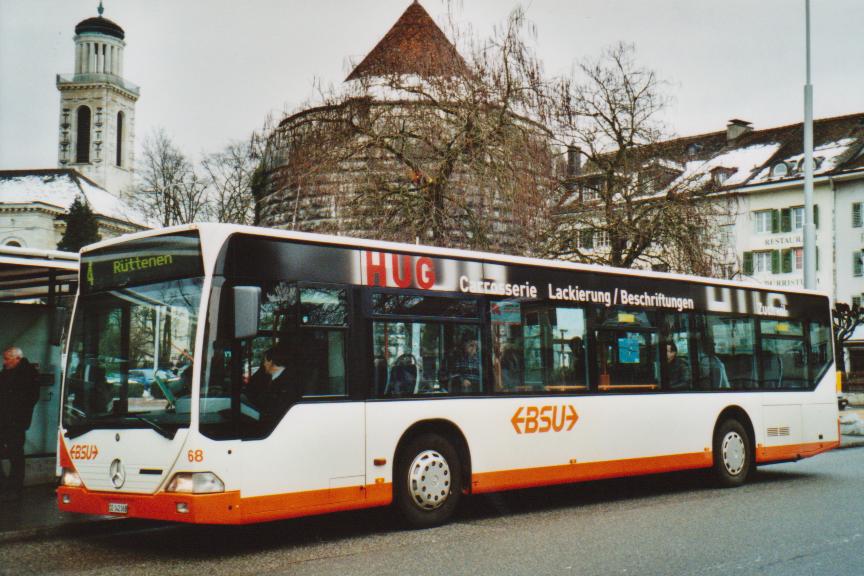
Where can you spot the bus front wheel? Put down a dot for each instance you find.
(733, 457)
(427, 480)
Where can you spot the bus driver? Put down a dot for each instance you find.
(270, 388)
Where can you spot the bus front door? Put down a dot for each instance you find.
(313, 461)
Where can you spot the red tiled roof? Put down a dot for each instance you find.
(414, 45)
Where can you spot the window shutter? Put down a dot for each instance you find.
(816, 215)
(748, 263)
(856, 215)
(786, 220)
(856, 263)
(775, 221)
(775, 261)
(787, 261)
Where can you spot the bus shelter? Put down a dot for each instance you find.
(36, 294)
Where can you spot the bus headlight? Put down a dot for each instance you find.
(70, 478)
(195, 483)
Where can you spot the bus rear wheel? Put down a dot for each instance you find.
(427, 481)
(733, 455)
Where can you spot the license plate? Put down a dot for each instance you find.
(118, 508)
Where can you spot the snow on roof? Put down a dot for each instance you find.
(742, 160)
(828, 157)
(59, 188)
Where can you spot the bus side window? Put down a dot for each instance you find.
(820, 341)
(538, 348)
(420, 358)
(430, 346)
(628, 350)
(784, 361)
(726, 353)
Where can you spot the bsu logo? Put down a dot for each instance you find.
(534, 419)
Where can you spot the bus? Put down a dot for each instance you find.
(223, 374)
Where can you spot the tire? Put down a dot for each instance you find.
(427, 481)
(733, 454)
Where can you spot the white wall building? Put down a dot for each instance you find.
(31, 202)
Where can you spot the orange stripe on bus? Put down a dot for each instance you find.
(276, 506)
(530, 477)
(793, 451)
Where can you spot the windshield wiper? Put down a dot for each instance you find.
(153, 425)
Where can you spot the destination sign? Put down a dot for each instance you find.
(141, 261)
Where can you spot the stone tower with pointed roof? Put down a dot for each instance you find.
(97, 107)
(333, 167)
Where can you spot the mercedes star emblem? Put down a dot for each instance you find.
(118, 473)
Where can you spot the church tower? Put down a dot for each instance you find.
(97, 107)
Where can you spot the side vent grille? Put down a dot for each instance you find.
(778, 431)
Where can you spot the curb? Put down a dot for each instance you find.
(851, 442)
(93, 527)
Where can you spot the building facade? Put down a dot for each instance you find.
(760, 174)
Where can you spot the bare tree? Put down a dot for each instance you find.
(456, 157)
(169, 191)
(632, 202)
(229, 177)
(846, 319)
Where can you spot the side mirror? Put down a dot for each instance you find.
(247, 300)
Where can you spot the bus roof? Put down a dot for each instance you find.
(223, 231)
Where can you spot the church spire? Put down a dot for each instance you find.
(97, 106)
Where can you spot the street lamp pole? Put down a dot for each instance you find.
(809, 225)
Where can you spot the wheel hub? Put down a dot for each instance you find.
(734, 453)
(429, 480)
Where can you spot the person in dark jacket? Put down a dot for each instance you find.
(677, 369)
(19, 392)
(273, 389)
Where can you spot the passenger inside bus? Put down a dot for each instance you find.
(403, 376)
(677, 369)
(465, 378)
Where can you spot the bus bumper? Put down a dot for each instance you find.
(223, 508)
(792, 452)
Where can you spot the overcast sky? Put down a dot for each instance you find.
(211, 70)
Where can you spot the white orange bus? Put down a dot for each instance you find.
(230, 375)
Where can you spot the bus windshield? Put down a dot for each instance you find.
(130, 358)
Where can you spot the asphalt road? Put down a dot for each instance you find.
(805, 518)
